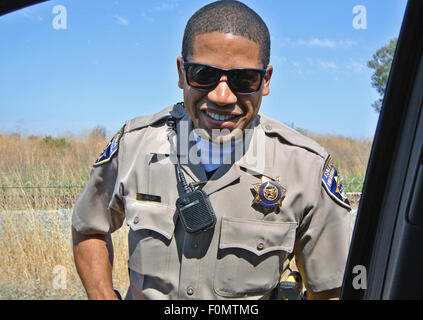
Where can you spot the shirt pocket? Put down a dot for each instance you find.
(150, 237)
(250, 255)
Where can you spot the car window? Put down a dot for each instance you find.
(387, 232)
(72, 72)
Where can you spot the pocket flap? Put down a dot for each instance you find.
(156, 217)
(257, 236)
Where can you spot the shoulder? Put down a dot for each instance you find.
(289, 136)
(328, 174)
(138, 123)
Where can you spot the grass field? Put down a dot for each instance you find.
(40, 178)
(37, 260)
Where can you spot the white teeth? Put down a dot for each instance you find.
(219, 117)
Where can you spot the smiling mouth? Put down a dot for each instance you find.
(221, 117)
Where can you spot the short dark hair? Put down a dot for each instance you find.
(228, 16)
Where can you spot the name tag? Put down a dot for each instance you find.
(148, 197)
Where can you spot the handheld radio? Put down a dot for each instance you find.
(194, 207)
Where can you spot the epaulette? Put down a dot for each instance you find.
(291, 136)
(176, 111)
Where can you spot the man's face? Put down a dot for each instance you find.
(225, 51)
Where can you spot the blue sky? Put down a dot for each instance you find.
(117, 60)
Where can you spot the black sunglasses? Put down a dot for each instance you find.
(240, 80)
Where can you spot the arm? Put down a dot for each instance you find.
(93, 256)
(324, 295)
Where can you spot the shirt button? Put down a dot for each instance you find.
(260, 246)
(136, 220)
(268, 127)
(190, 291)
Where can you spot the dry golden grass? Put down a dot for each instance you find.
(35, 232)
(46, 160)
(37, 258)
(350, 155)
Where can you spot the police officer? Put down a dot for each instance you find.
(273, 193)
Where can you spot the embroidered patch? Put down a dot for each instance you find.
(332, 183)
(109, 150)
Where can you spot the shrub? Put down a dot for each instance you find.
(54, 142)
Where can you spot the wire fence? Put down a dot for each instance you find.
(353, 188)
(63, 195)
(39, 196)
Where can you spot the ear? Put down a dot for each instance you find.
(180, 67)
(266, 81)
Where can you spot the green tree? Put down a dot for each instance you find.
(381, 63)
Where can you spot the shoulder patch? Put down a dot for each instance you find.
(108, 152)
(333, 185)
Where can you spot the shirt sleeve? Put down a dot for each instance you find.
(323, 241)
(99, 208)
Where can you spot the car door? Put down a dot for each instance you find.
(386, 258)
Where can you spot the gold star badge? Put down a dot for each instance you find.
(269, 192)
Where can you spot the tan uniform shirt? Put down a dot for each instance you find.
(244, 255)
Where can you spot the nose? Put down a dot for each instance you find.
(222, 95)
